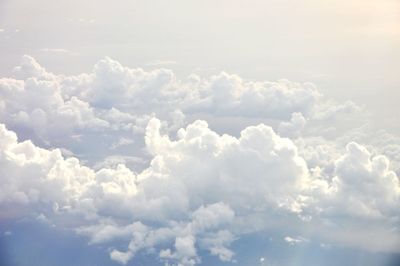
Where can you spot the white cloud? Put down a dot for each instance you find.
(331, 111)
(294, 127)
(365, 185)
(162, 63)
(55, 50)
(295, 240)
(196, 189)
(29, 67)
(114, 103)
(112, 85)
(39, 106)
(202, 190)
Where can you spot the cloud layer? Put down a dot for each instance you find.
(196, 189)
(203, 190)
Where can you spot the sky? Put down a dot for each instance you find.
(199, 132)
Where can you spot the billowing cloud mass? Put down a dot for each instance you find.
(114, 97)
(195, 189)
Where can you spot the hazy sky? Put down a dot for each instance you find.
(350, 49)
(341, 45)
(296, 159)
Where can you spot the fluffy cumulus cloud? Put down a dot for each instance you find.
(200, 191)
(195, 190)
(117, 98)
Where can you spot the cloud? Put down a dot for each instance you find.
(295, 240)
(202, 191)
(135, 91)
(331, 111)
(364, 183)
(55, 50)
(294, 127)
(39, 106)
(83, 21)
(180, 189)
(162, 63)
(111, 106)
(28, 68)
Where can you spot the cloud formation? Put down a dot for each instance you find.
(203, 191)
(180, 189)
(116, 97)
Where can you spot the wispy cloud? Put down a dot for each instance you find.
(55, 50)
(162, 63)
